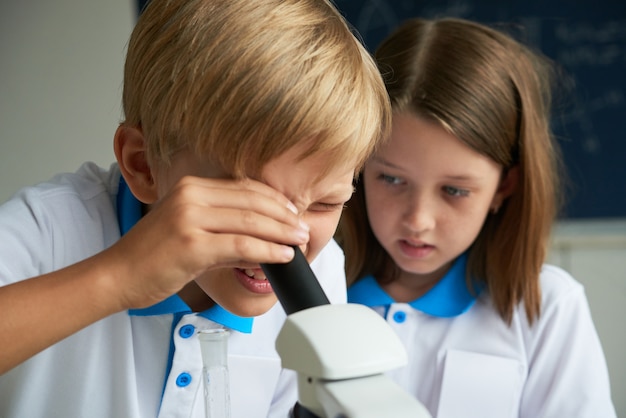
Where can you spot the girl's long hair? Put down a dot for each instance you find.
(494, 94)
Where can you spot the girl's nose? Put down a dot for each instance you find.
(420, 215)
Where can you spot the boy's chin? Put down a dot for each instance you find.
(251, 308)
(232, 290)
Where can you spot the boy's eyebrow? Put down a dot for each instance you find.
(341, 192)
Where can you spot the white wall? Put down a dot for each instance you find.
(60, 90)
(595, 253)
(61, 64)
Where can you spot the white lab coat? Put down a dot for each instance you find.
(465, 361)
(119, 367)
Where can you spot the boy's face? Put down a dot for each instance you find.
(245, 291)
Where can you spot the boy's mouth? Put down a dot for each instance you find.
(256, 274)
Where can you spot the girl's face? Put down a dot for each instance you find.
(427, 196)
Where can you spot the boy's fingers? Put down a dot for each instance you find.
(244, 251)
(256, 197)
(243, 222)
(246, 187)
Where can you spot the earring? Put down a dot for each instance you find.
(495, 209)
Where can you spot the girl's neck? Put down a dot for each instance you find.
(407, 287)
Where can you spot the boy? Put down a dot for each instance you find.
(245, 123)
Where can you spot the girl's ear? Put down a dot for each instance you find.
(130, 151)
(507, 186)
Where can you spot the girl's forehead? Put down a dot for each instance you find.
(427, 148)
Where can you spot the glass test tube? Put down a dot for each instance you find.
(214, 348)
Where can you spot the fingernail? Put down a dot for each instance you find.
(303, 235)
(292, 207)
(288, 253)
(303, 225)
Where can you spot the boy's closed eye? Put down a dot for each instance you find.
(326, 207)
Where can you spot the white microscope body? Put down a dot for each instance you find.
(340, 353)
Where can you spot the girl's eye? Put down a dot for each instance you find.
(455, 192)
(385, 178)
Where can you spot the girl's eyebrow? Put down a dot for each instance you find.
(462, 177)
(457, 177)
(384, 162)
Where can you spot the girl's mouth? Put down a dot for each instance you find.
(416, 249)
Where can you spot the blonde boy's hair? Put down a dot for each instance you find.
(493, 93)
(240, 82)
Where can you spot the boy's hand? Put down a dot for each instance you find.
(202, 224)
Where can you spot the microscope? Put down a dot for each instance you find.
(339, 352)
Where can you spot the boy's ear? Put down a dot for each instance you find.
(507, 186)
(130, 151)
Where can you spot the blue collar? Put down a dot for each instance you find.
(449, 297)
(128, 214)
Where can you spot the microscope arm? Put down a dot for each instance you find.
(368, 397)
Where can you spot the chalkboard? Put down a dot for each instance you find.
(587, 39)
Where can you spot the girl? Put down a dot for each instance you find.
(447, 232)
